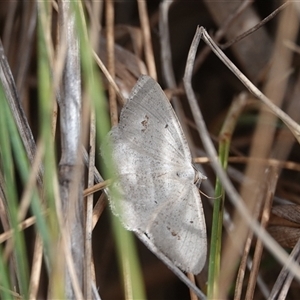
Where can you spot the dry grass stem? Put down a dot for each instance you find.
(66, 70)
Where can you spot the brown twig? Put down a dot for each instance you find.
(278, 252)
(110, 36)
(255, 28)
(144, 19)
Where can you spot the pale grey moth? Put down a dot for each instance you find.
(155, 178)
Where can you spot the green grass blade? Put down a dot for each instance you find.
(217, 223)
(7, 163)
(133, 284)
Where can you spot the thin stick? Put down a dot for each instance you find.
(288, 165)
(284, 279)
(89, 269)
(12, 97)
(221, 32)
(169, 263)
(98, 209)
(166, 53)
(142, 5)
(235, 198)
(89, 212)
(242, 268)
(97, 187)
(218, 207)
(9, 233)
(259, 244)
(110, 36)
(108, 76)
(64, 246)
(31, 184)
(290, 123)
(36, 268)
(191, 277)
(255, 28)
(70, 166)
(167, 67)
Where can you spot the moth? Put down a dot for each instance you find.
(155, 179)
